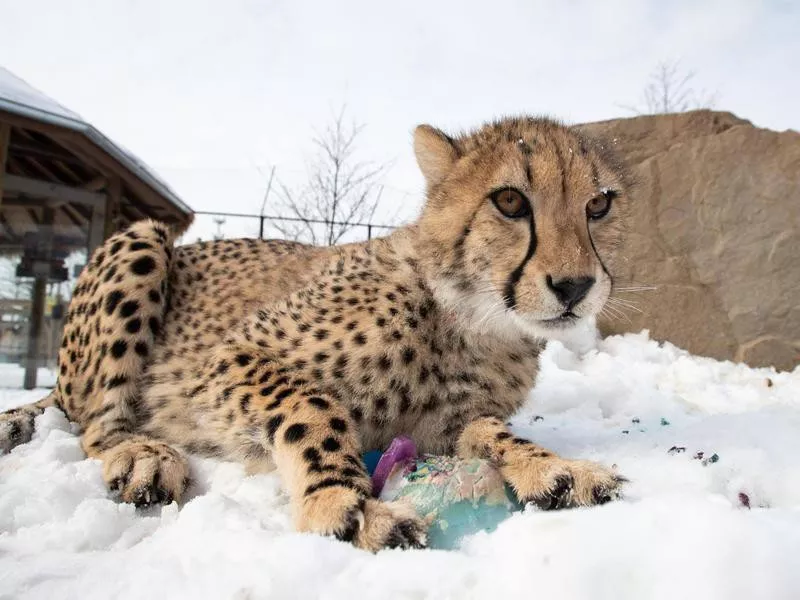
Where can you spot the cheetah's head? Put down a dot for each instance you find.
(521, 225)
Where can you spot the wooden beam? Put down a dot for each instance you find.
(40, 151)
(14, 166)
(9, 233)
(5, 138)
(24, 133)
(107, 164)
(77, 221)
(42, 170)
(56, 135)
(34, 217)
(96, 184)
(64, 168)
(41, 189)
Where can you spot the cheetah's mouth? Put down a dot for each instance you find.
(566, 318)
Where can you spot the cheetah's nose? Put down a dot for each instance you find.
(570, 290)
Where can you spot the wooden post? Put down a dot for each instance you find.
(97, 226)
(38, 300)
(5, 137)
(34, 329)
(112, 206)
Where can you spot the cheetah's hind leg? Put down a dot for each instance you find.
(113, 326)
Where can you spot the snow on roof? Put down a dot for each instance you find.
(18, 97)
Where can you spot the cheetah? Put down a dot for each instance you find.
(285, 356)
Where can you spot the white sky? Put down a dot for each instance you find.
(205, 91)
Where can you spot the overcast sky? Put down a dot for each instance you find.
(207, 91)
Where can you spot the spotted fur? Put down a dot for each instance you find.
(277, 354)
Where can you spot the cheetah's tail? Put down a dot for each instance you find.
(16, 424)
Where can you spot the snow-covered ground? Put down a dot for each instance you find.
(682, 531)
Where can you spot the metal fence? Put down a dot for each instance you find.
(263, 222)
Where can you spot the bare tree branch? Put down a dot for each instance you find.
(671, 90)
(340, 190)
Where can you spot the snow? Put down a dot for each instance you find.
(680, 532)
(20, 92)
(11, 378)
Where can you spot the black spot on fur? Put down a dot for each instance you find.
(331, 444)
(284, 393)
(408, 355)
(143, 266)
(338, 424)
(295, 433)
(155, 325)
(116, 381)
(272, 427)
(133, 326)
(112, 300)
(320, 403)
(312, 455)
(119, 348)
(333, 482)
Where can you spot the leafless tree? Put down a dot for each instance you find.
(670, 89)
(341, 190)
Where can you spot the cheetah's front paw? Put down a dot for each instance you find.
(368, 523)
(552, 483)
(145, 472)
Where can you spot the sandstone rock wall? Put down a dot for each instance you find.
(716, 229)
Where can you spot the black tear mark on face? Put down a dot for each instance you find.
(597, 254)
(510, 290)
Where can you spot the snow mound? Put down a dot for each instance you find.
(699, 439)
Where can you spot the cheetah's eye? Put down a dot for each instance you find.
(598, 207)
(512, 203)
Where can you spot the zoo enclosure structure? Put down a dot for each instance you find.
(64, 188)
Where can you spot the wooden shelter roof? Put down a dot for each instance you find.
(56, 161)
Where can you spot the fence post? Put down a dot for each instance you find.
(261, 227)
(369, 231)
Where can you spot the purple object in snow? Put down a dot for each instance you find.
(401, 450)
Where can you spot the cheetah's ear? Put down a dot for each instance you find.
(436, 152)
